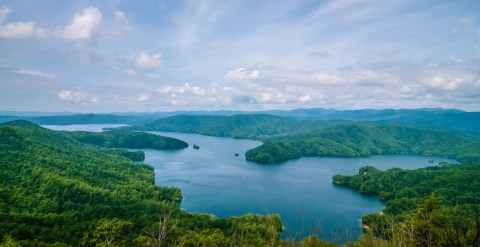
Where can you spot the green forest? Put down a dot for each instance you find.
(127, 139)
(365, 139)
(243, 126)
(433, 206)
(62, 188)
(56, 191)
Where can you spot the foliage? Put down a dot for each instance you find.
(127, 139)
(248, 126)
(433, 206)
(309, 241)
(365, 139)
(108, 232)
(56, 191)
(452, 120)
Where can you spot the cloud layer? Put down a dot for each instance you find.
(209, 55)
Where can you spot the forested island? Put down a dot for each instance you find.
(290, 138)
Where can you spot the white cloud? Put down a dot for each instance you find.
(131, 72)
(154, 76)
(446, 82)
(94, 99)
(227, 89)
(84, 25)
(122, 23)
(77, 96)
(185, 89)
(254, 74)
(146, 61)
(242, 74)
(4, 11)
(305, 98)
(35, 73)
(195, 96)
(17, 30)
(144, 98)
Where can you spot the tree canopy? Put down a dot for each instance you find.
(365, 139)
(57, 191)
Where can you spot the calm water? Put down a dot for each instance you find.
(213, 180)
(83, 127)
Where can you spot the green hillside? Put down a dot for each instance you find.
(127, 139)
(245, 126)
(56, 191)
(365, 139)
(433, 206)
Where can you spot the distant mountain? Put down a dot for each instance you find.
(85, 119)
(34, 113)
(44, 118)
(80, 119)
(429, 118)
(457, 121)
(435, 118)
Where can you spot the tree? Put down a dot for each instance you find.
(159, 233)
(427, 223)
(8, 241)
(109, 232)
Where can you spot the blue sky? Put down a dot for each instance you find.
(104, 56)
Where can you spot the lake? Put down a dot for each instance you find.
(213, 180)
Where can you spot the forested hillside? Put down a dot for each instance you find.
(54, 189)
(236, 126)
(365, 139)
(433, 206)
(457, 121)
(428, 118)
(127, 139)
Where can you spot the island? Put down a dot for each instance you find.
(286, 138)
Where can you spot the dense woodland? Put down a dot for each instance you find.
(127, 139)
(433, 206)
(365, 139)
(243, 126)
(56, 191)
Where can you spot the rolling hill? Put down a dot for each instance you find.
(365, 139)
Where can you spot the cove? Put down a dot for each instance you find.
(213, 180)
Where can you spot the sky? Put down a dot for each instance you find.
(154, 55)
